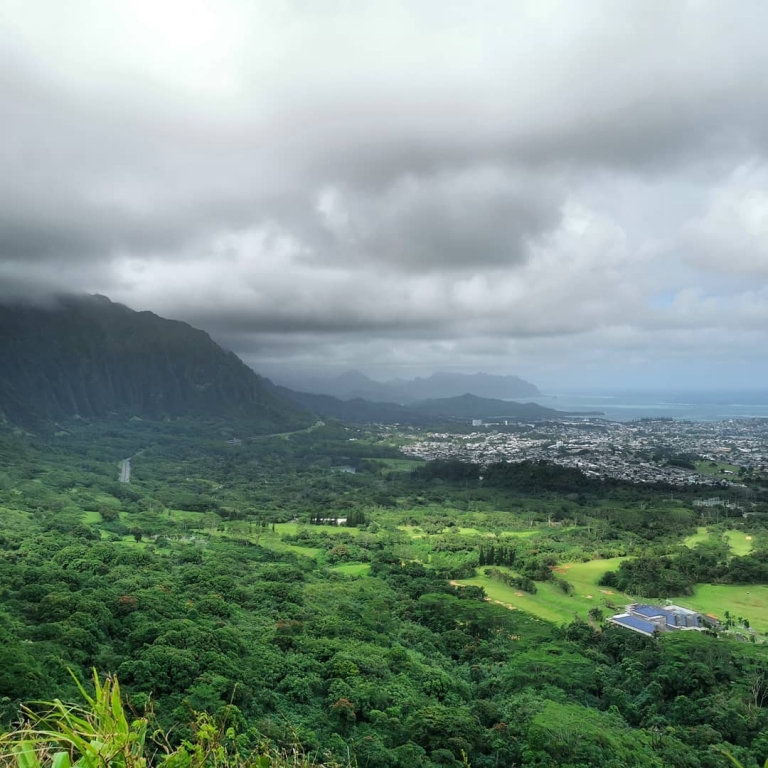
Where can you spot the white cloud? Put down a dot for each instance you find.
(395, 183)
(731, 234)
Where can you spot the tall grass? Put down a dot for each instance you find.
(99, 734)
(736, 762)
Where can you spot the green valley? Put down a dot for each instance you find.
(213, 584)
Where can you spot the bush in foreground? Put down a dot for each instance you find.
(99, 734)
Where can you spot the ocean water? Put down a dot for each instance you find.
(691, 406)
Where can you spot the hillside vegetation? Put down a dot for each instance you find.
(87, 357)
(463, 408)
(212, 588)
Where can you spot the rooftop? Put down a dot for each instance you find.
(632, 622)
(650, 611)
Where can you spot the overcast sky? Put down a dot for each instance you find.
(576, 192)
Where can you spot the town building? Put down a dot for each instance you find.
(648, 619)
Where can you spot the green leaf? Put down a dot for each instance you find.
(26, 757)
(60, 760)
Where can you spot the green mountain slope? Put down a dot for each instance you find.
(473, 407)
(358, 411)
(428, 412)
(86, 356)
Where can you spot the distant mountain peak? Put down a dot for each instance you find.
(441, 384)
(353, 377)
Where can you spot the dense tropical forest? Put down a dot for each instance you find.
(214, 584)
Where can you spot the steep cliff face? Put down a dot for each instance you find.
(87, 356)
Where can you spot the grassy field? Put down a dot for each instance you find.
(129, 541)
(470, 532)
(269, 540)
(276, 545)
(550, 602)
(412, 530)
(353, 569)
(511, 534)
(105, 499)
(508, 534)
(701, 535)
(292, 529)
(417, 533)
(750, 602)
(739, 542)
(705, 468)
(274, 541)
(586, 575)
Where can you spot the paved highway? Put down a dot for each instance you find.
(125, 471)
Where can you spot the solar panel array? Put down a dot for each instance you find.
(632, 622)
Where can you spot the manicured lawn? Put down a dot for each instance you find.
(511, 534)
(293, 528)
(417, 533)
(353, 569)
(412, 530)
(533, 532)
(272, 541)
(280, 546)
(739, 542)
(750, 602)
(105, 499)
(129, 541)
(704, 468)
(268, 540)
(701, 535)
(586, 575)
(541, 604)
(550, 602)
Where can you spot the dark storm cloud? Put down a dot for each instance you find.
(462, 220)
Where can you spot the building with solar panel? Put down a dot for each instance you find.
(650, 619)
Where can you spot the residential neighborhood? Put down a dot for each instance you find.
(716, 454)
